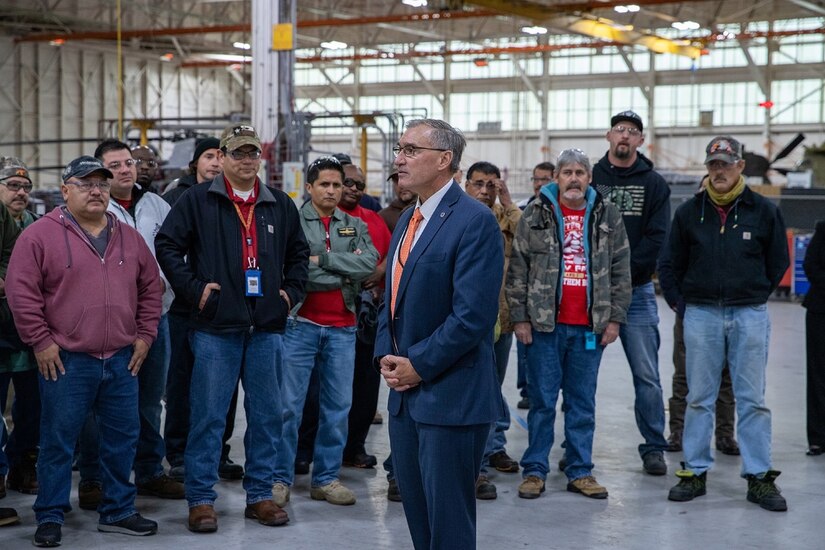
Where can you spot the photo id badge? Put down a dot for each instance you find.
(253, 282)
(590, 341)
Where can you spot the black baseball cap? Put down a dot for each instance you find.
(627, 116)
(83, 166)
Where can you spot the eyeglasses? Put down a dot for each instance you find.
(254, 154)
(113, 166)
(481, 184)
(411, 151)
(360, 185)
(15, 187)
(149, 163)
(87, 185)
(620, 129)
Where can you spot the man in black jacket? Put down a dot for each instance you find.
(236, 250)
(729, 252)
(626, 178)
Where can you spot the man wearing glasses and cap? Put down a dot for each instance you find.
(86, 296)
(626, 178)
(729, 253)
(235, 250)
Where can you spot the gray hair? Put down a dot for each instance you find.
(574, 156)
(444, 137)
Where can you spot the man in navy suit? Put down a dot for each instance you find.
(435, 338)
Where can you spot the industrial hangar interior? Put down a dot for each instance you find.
(523, 79)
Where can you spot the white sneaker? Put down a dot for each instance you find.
(280, 493)
(334, 493)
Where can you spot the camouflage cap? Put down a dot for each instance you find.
(238, 135)
(724, 148)
(13, 166)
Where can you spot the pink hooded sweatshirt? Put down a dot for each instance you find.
(61, 291)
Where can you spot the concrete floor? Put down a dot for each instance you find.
(637, 515)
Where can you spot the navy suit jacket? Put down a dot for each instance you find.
(445, 314)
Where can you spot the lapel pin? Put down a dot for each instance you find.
(442, 214)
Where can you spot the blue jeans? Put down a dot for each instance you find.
(640, 340)
(331, 350)
(219, 360)
(740, 334)
(25, 413)
(559, 360)
(498, 439)
(152, 383)
(106, 387)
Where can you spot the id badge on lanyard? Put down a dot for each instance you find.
(253, 279)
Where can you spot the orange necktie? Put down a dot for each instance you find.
(409, 237)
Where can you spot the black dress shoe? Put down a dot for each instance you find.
(229, 470)
(302, 467)
(484, 489)
(727, 446)
(360, 460)
(47, 535)
(393, 494)
(815, 450)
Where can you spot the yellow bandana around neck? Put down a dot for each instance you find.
(724, 199)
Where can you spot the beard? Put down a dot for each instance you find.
(622, 152)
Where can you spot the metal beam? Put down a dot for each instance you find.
(810, 6)
(337, 90)
(758, 76)
(643, 87)
(427, 84)
(527, 82)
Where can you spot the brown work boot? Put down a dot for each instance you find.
(162, 486)
(588, 486)
(531, 487)
(203, 519)
(23, 478)
(267, 513)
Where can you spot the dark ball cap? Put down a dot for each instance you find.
(204, 145)
(724, 148)
(343, 158)
(627, 116)
(83, 166)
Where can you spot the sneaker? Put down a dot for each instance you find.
(360, 460)
(484, 489)
(503, 463)
(727, 446)
(689, 487)
(674, 442)
(47, 535)
(230, 471)
(178, 473)
(8, 516)
(90, 493)
(23, 477)
(333, 492)
(524, 404)
(393, 494)
(588, 486)
(162, 486)
(654, 463)
(135, 525)
(280, 493)
(764, 492)
(531, 487)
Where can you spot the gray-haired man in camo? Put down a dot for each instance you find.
(568, 287)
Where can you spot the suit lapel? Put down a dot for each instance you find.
(434, 224)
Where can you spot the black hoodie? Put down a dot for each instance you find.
(643, 198)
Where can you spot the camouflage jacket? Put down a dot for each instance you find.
(507, 219)
(536, 266)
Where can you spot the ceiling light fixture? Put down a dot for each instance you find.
(686, 25)
(534, 30)
(630, 8)
(242, 45)
(57, 42)
(334, 45)
(415, 3)
(167, 57)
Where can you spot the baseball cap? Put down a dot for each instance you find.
(83, 166)
(239, 135)
(724, 148)
(13, 166)
(343, 158)
(627, 116)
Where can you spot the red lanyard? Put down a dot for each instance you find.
(251, 255)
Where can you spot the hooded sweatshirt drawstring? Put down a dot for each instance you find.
(66, 240)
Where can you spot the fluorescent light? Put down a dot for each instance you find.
(534, 30)
(686, 25)
(415, 3)
(226, 57)
(242, 45)
(632, 8)
(334, 45)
